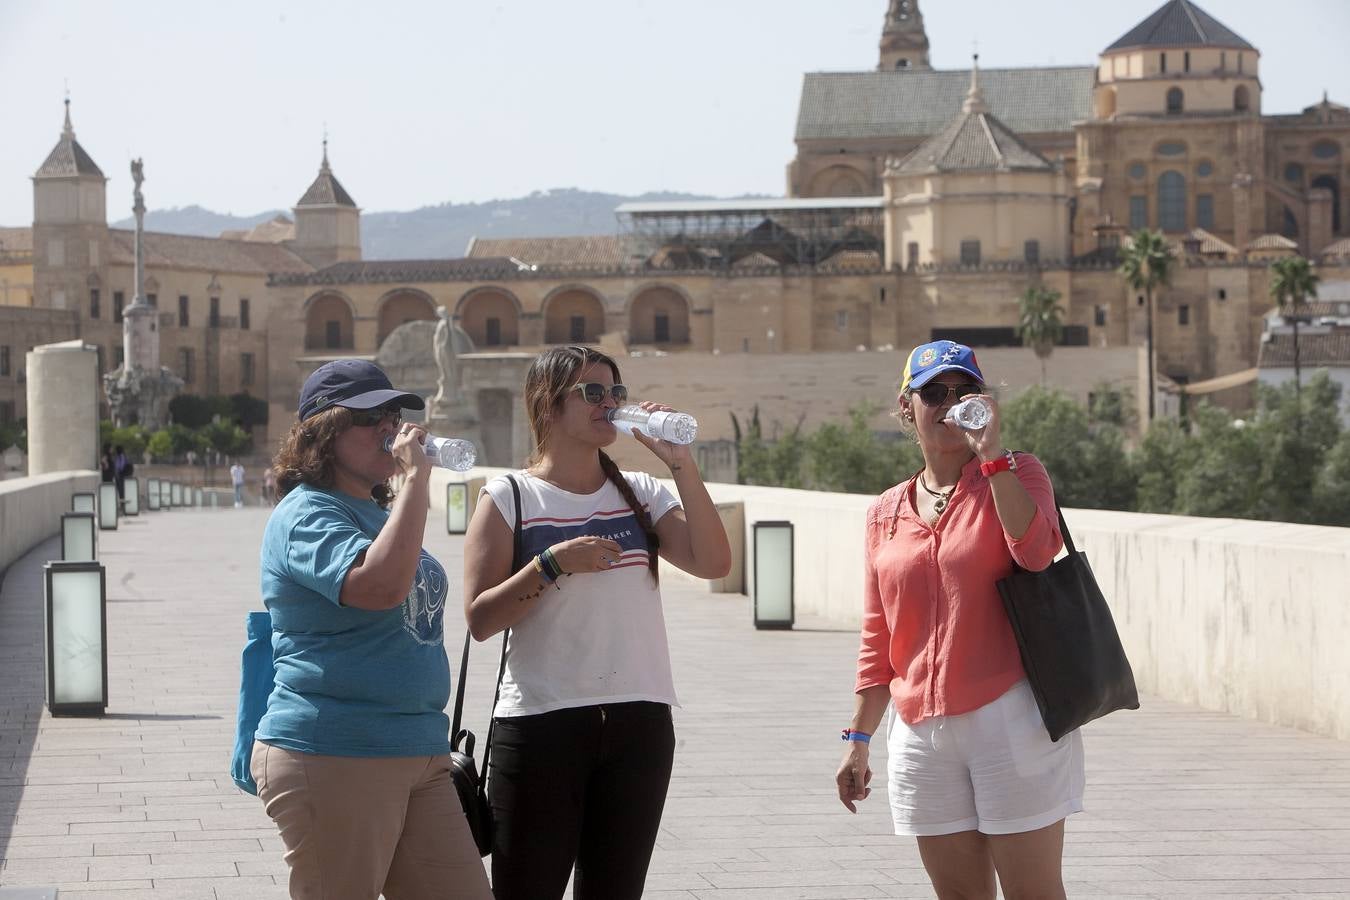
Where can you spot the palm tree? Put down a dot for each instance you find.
(1040, 323)
(1146, 265)
(1292, 282)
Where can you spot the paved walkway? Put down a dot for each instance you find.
(1182, 803)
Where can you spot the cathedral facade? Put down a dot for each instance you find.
(921, 204)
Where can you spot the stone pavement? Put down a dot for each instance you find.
(1182, 802)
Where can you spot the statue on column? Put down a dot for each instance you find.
(447, 381)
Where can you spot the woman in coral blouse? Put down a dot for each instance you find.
(972, 773)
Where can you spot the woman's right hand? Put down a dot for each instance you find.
(409, 454)
(586, 554)
(854, 775)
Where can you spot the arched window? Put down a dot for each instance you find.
(1172, 201)
(1242, 100)
(1175, 100)
(1331, 184)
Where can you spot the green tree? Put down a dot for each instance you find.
(1223, 477)
(14, 434)
(1040, 323)
(1295, 443)
(248, 411)
(1088, 467)
(852, 458)
(1166, 451)
(227, 438)
(1331, 488)
(1292, 282)
(1146, 265)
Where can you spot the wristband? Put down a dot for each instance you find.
(551, 563)
(542, 570)
(1005, 463)
(849, 734)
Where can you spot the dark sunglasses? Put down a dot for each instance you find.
(935, 393)
(593, 392)
(368, 418)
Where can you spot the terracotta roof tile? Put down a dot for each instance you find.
(1271, 242)
(205, 254)
(601, 251)
(852, 105)
(1330, 348)
(410, 271)
(1180, 23)
(973, 141)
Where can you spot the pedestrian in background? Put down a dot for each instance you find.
(972, 772)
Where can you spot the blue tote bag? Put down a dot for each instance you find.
(256, 677)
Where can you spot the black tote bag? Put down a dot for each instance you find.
(1070, 648)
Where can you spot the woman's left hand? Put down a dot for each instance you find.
(671, 454)
(987, 442)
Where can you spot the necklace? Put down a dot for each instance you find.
(940, 498)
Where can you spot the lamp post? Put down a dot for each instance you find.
(79, 537)
(107, 506)
(77, 638)
(773, 575)
(152, 493)
(131, 489)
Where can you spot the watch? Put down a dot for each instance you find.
(1005, 463)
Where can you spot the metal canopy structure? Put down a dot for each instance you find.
(719, 234)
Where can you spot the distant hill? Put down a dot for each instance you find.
(440, 232)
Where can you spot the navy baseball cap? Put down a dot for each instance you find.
(927, 361)
(354, 384)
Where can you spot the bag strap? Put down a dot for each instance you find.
(516, 552)
(517, 561)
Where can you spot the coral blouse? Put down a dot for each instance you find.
(934, 629)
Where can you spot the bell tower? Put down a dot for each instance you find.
(904, 43)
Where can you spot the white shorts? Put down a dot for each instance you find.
(994, 770)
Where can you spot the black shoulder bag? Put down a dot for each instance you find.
(469, 784)
(1070, 648)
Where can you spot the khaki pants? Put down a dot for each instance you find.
(356, 827)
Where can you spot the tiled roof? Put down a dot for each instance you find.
(179, 251)
(850, 260)
(1209, 244)
(1340, 248)
(843, 105)
(408, 271)
(601, 251)
(1330, 348)
(16, 240)
(326, 189)
(1325, 309)
(1180, 23)
(1271, 242)
(973, 141)
(755, 260)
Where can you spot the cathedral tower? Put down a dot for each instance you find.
(70, 225)
(904, 43)
(327, 221)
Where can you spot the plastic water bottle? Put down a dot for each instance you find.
(972, 413)
(676, 427)
(449, 453)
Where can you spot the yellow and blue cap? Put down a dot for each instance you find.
(927, 361)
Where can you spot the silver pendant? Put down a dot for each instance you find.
(940, 504)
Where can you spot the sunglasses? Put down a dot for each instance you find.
(593, 392)
(935, 393)
(369, 418)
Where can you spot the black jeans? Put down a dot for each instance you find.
(579, 787)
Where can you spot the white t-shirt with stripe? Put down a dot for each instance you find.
(600, 638)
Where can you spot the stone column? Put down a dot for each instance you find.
(63, 397)
(1242, 212)
(1319, 221)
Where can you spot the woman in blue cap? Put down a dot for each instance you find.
(352, 756)
(972, 773)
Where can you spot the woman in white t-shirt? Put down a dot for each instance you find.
(583, 741)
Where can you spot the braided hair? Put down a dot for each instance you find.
(547, 383)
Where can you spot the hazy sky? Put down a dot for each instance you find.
(469, 100)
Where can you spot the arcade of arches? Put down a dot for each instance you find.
(491, 318)
(658, 315)
(400, 308)
(328, 323)
(573, 315)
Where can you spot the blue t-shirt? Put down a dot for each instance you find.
(349, 682)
